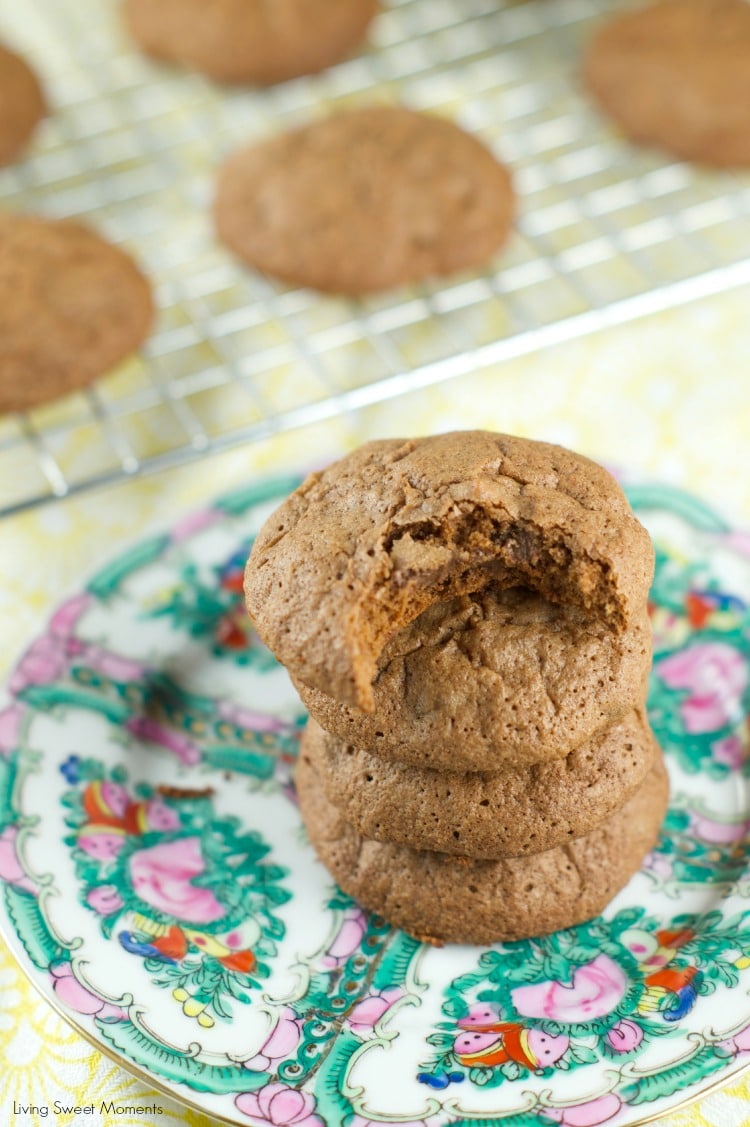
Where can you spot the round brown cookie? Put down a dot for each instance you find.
(677, 74)
(494, 678)
(455, 900)
(506, 814)
(71, 307)
(365, 546)
(22, 104)
(250, 40)
(365, 200)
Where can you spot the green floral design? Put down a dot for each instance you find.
(634, 956)
(690, 610)
(197, 947)
(683, 857)
(213, 609)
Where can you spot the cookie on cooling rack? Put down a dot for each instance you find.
(22, 104)
(365, 200)
(250, 40)
(494, 678)
(364, 547)
(508, 813)
(72, 306)
(677, 74)
(448, 899)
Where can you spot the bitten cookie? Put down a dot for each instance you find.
(22, 104)
(250, 40)
(71, 307)
(365, 200)
(455, 900)
(677, 74)
(364, 547)
(485, 816)
(494, 678)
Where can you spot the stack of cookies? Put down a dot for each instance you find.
(465, 617)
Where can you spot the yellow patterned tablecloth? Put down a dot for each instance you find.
(668, 398)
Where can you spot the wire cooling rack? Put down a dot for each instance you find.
(606, 232)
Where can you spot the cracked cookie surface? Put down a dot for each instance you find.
(365, 200)
(363, 547)
(250, 41)
(485, 816)
(456, 900)
(493, 678)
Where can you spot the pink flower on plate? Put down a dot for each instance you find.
(658, 865)
(715, 675)
(113, 665)
(729, 751)
(10, 728)
(76, 997)
(44, 661)
(595, 990)
(347, 939)
(105, 899)
(371, 1010)
(740, 1043)
(719, 833)
(11, 869)
(625, 1036)
(590, 1114)
(162, 875)
(145, 728)
(250, 719)
(280, 1042)
(66, 617)
(275, 1105)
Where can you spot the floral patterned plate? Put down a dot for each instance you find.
(158, 888)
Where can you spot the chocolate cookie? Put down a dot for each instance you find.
(365, 200)
(22, 104)
(362, 548)
(71, 307)
(494, 678)
(486, 816)
(677, 74)
(448, 899)
(250, 40)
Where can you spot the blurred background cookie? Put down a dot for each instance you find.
(250, 40)
(22, 104)
(365, 200)
(677, 74)
(72, 306)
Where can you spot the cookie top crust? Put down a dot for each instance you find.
(365, 200)
(445, 899)
(492, 679)
(676, 73)
(71, 307)
(365, 546)
(508, 813)
(251, 41)
(22, 104)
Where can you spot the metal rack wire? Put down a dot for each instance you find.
(606, 233)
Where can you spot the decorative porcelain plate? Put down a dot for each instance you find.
(159, 890)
